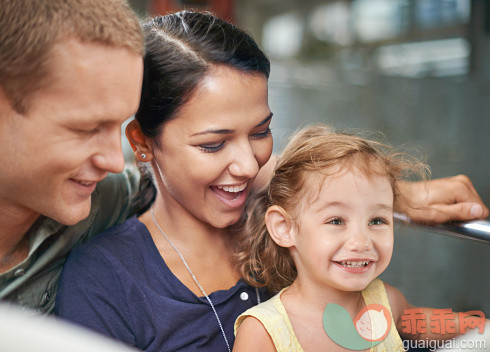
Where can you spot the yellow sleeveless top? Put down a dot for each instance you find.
(274, 318)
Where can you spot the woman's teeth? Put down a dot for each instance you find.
(233, 189)
(354, 264)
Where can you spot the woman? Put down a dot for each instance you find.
(165, 281)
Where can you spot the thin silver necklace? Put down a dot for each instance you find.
(197, 282)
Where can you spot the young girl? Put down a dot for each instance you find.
(327, 236)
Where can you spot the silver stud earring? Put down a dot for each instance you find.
(143, 155)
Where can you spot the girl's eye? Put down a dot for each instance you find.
(263, 134)
(336, 221)
(378, 221)
(212, 148)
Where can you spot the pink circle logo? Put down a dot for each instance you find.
(373, 322)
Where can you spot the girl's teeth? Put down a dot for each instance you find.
(84, 183)
(354, 264)
(233, 189)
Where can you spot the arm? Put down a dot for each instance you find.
(441, 200)
(403, 313)
(252, 336)
(430, 202)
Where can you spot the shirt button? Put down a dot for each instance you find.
(244, 296)
(19, 272)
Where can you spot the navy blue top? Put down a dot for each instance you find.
(118, 284)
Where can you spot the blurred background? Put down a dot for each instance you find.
(416, 70)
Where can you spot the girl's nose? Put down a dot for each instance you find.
(359, 242)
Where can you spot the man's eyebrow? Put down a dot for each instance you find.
(226, 131)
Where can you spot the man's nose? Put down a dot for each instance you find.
(109, 156)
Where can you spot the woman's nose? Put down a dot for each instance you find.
(244, 163)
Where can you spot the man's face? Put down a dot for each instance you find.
(53, 156)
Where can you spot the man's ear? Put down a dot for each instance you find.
(280, 226)
(139, 142)
(6, 106)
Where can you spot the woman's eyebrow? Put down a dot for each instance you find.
(226, 131)
(264, 121)
(213, 131)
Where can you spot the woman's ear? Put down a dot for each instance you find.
(280, 226)
(139, 142)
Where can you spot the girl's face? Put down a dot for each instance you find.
(344, 236)
(207, 157)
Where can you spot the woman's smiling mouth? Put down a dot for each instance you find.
(231, 195)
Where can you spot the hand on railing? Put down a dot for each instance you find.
(477, 230)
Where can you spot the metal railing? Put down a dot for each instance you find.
(477, 230)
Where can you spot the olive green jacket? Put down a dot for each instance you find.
(33, 283)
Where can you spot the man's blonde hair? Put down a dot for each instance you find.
(30, 28)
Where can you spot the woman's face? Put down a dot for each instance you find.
(207, 157)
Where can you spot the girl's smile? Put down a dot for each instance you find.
(354, 266)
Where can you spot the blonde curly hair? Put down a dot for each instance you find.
(260, 261)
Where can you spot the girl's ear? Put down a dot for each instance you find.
(280, 226)
(139, 142)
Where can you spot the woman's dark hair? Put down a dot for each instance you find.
(181, 49)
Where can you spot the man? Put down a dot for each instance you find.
(70, 73)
